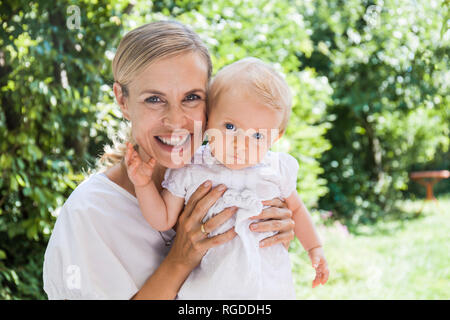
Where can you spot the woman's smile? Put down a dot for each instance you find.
(173, 142)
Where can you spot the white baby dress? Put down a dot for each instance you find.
(238, 269)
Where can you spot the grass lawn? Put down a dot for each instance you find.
(402, 259)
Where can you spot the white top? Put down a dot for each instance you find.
(101, 246)
(239, 269)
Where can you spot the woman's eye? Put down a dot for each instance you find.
(258, 136)
(230, 126)
(153, 99)
(192, 97)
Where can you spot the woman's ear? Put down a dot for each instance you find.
(121, 100)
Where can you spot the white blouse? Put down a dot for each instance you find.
(101, 246)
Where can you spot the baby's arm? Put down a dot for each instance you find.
(306, 232)
(160, 210)
(304, 227)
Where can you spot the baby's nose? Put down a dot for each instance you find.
(240, 142)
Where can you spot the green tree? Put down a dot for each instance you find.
(387, 62)
(51, 74)
(370, 79)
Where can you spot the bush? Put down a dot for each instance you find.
(369, 79)
(387, 62)
(50, 82)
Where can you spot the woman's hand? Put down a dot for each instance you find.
(279, 220)
(139, 172)
(191, 243)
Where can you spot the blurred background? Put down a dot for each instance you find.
(371, 84)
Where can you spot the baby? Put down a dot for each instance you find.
(249, 105)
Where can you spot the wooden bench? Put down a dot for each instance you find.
(428, 179)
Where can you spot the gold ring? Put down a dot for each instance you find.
(202, 228)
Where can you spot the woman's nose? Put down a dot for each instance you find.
(174, 117)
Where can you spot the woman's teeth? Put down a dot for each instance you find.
(174, 140)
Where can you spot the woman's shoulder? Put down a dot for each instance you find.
(101, 211)
(90, 184)
(96, 227)
(95, 194)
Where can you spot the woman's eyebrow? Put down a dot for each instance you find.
(196, 90)
(153, 91)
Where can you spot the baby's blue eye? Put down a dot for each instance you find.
(258, 136)
(230, 126)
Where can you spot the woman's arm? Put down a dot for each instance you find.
(190, 244)
(164, 283)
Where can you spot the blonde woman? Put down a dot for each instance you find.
(101, 246)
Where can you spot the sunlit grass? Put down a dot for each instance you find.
(402, 259)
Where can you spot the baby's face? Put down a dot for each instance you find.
(242, 129)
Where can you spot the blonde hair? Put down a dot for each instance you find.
(261, 78)
(137, 49)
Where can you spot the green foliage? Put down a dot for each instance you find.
(387, 63)
(370, 88)
(50, 83)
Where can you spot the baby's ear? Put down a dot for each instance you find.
(280, 134)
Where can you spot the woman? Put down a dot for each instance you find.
(101, 246)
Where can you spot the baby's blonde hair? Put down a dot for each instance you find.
(262, 79)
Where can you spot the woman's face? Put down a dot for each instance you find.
(165, 103)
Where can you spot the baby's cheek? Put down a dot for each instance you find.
(262, 151)
(227, 147)
(217, 149)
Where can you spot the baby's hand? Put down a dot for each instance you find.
(317, 257)
(139, 172)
